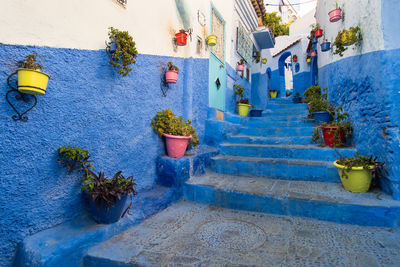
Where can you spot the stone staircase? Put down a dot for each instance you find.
(272, 166)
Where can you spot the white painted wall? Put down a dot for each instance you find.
(302, 26)
(363, 13)
(83, 24)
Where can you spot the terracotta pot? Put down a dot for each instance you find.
(176, 145)
(329, 133)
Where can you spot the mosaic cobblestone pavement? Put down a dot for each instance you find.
(191, 234)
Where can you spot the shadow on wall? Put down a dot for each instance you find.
(183, 12)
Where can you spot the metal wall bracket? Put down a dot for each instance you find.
(164, 86)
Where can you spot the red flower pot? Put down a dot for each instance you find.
(240, 67)
(319, 33)
(329, 133)
(335, 15)
(294, 59)
(176, 145)
(313, 54)
(171, 76)
(181, 38)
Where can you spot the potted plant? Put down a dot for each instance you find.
(125, 52)
(257, 56)
(308, 59)
(336, 131)
(321, 109)
(294, 58)
(346, 38)
(297, 98)
(179, 133)
(264, 61)
(288, 93)
(316, 28)
(240, 63)
(171, 75)
(107, 197)
(243, 103)
(336, 14)
(273, 93)
(313, 91)
(31, 80)
(357, 172)
(181, 38)
(212, 40)
(325, 46)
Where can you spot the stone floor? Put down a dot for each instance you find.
(189, 234)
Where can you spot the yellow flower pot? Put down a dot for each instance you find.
(212, 40)
(32, 82)
(273, 94)
(357, 180)
(243, 109)
(264, 61)
(308, 60)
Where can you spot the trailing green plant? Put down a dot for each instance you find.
(297, 94)
(125, 54)
(31, 63)
(239, 92)
(257, 58)
(367, 163)
(172, 67)
(346, 38)
(75, 158)
(341, 121)
(241, 61)
(274, 22)
(101, 189)
(167, 122)
(315, 27)
(313, 91)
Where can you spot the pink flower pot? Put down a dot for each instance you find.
(313, 54)
(240, 67)
(176, 145)
(171, 76)
(335, 15)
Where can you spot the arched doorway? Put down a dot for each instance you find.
(285, 73)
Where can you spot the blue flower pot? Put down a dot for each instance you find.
(314, 40)
(113, 47)
(296, 99)
(321, 117)
(113, 214)
(256, 113)
(325, 46)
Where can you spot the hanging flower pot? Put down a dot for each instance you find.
(181, 38)
(212, 40)
(171, 75)
(308, 60)
(30, 78)
(325, 46)
(113, 46)
(313, 54)
(240, 67)
(329, 133)
(264, 61)
(294, 58)
(176, 145)
(319, 33)
(335, 15)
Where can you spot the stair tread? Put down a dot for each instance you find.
(270, 137)
(275, 160)
(305, 190)
(287, 146)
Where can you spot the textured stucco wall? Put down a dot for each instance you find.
(87, 104)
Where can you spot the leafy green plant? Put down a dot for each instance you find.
(274, 22)
(346, 38)
(312, 92)
(239, 91)
(101, 189)
(257, 58)
(241, 61)
(368, 163)
(341, 120)
(125, 54)
(172, 67)
(30, 62)
(75, 158)
(297, 94)
(167, 122)
(315, 27)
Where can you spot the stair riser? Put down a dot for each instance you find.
(277, 131)
(267, 152)
(271, 141)
(277, 170)
(262, 124)
(335, 212)
(281, 112)
(272, 118)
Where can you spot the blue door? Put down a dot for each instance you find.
(217, 71)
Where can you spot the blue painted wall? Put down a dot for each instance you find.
(230, 98)
(301, 82)
(87, 104)
(259, 90)
(367, 86)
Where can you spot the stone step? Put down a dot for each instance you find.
(307, 152)
(317, 200)
(277, 131)
(280, 101)
(286, 106)
(277, 168)
(268, 124)
(247, 139)
(273, 118)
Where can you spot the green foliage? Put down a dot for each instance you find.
(167, 122)
(346, 38)
(126, 52)
(30, 62)
(75, 158)
(239, 91)
(297, 94)
(273, 21)
(315, 27)
(313, 91)
(257, 58)
(241, 61)
(319, 103)
(368, 163)
(102, 189)
(172, 67)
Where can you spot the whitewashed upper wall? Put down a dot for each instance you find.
(83, 24)
(363, 13)
(302, 26)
